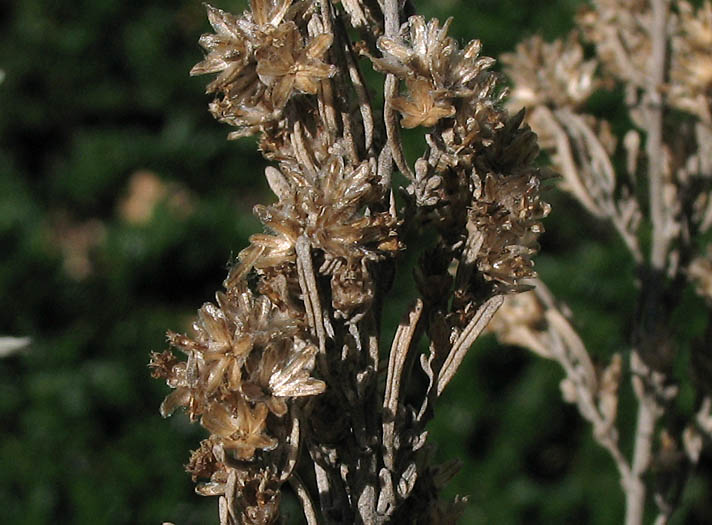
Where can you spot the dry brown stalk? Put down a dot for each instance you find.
(660, 53)
(287, 370)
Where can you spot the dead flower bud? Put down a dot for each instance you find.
(550, 73)
(241, 430)
(421, 108)
(162, 364)
(228, 49)
(423, 50)
(507, 213)
(203, 463)
(256, 493)
(282, 372)
(691, 76)
(262, 61)
(435, 69)
(286, 64)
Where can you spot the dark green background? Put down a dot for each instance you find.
(95, 91)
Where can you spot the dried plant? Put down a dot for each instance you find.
(288, 371)
(651, 183)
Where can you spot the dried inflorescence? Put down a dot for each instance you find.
(436, 72)
(550, 73)
(287, 364)
(247, 359)
(651, 183)
(619, 30)
(263, 59)
(326, 208)
(691, 76)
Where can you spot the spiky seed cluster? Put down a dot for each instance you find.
(263, 59)
(618, 29)
(311, 279)
(551, 74)
(691, 88)
(435, 70)
(253, 492)
(248, 358)
(328, 211)
(478, 175)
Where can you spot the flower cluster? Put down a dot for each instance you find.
(478, 179)
(303, 301)
(619, 30)
(691, 80)
(435, 70)
(263, 59)
(326, 205)
(553, 74)
(253, 494)
(247, 360)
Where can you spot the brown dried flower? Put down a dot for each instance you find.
(691, 74)
(435, 69)
(421, 107)
(241, 430)
(280, 373)
(328, 211)
(286, 64)
(262, 60)
(550, 73)
(241, 337)
(424, 51)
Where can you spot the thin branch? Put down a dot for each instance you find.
(654, 144)
(567, 348)
(643, 381)
(391, 18)
(310, 292)
(392, 127)
(361, 92)
(303, 495)
(402, 343)
(467, 338)
(391, 27)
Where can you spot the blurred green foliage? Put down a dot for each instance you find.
(95, 93)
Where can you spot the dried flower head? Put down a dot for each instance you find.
(619, 30)
(286, 65)
(331, 211)
(304, 299)
(240, 428)
(243, 346)
(435, 69)
(263, 60)
(550, 73)
(421, 107)
(691, 82)
(423, 50)
(280, 373)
